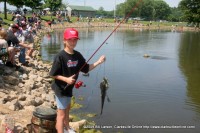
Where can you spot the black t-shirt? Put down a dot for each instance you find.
(12, 38)
(67, 65)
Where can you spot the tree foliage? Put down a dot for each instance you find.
(162, 10)
(191, 10)
(33, 3)
(17, 3)
(20, 3)
(148, 9)
(52, 4)
(176, 15)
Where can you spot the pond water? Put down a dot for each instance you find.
(160, 94)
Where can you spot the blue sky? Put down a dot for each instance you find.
(106, 4)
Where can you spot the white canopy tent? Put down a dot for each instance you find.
(46, 9)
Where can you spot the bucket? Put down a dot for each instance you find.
(43, 121)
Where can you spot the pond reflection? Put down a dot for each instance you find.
(189, 61)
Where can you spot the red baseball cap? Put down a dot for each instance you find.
(70, 33)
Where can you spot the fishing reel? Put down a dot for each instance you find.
(79, 84)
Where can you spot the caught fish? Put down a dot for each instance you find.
(104, 86)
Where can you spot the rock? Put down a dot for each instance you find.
(20, 85)
(2, 101)
(15, 105)
(2, 94)
(76, 125)
(11, 80)
(25, 76)
(38, 101)
(29, 108)
(21, 98)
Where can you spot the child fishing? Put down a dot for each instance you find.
(65, 70)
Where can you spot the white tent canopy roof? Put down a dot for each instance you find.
(46, 9)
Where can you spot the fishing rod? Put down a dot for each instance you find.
(126, 17)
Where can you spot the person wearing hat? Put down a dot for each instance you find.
(65, 70)
(14, 45)
(17, 19)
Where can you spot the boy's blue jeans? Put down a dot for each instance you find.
(22, 56)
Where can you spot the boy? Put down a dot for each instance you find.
(65, 70)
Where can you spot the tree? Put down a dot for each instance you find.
(52, 4)
(191, 10)
(17, 3)
(29, 3)
(101, 12)
(124, 8)
(32, 3)
(176, 15)
(5, 8)
(148, 9)
(162, 10)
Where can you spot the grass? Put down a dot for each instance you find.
(8, 21)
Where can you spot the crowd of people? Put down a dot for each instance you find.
(18, 39)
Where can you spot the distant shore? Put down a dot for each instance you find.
(135, 27)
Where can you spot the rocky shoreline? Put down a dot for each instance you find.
(24, 89)
(21, 91)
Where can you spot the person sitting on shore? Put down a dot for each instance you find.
(3, 42)
(27, 38)
(17, 19)
(4, 46)
(14, 46)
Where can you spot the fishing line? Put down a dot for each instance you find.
(92, 92)
(89, 98)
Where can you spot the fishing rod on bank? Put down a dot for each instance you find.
(80, 83)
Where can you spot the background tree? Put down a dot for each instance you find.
(124, 8)
(120, 9)
(176, 15)
(101, 12)
(33, 4)
(52, 4)
(162, 10)
(5, 8)
(18, 3)
(191, 10)
(147, 10)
